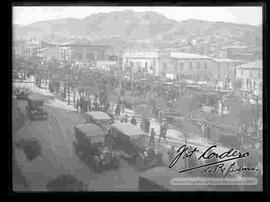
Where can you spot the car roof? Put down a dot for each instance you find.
(98, 115)
(90, 129)
(127, 129)
(35, 97)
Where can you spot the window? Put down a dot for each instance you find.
(218, 66)
(205, 65)
(145, 65)
(175, 67)
(198, 76)
(251, 74)
(218, 76)
(198, 65)
(242, 71)
(181, 66)
(79, 56)
(100, 56)
(164, 67)
(90, 56)
(190, 65)
(205, 77)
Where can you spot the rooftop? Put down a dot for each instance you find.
(224, 60)
(127, 129)
(98, 115)
(90, 129)
(80, 42)
(141, 53)
(188, 55)
(256, 64)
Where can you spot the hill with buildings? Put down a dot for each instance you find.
(128, 28)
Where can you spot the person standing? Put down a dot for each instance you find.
(165, 129)
(152, 137)
(171, 153)
(208, 132)
(203, 125)
(147, 125)
(133, 121)
(142, 125)
(126, 118)
(160, 132)
(89, 104)
(78, 104)
(117, 110)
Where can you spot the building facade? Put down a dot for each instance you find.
(250, 75)
(141, 61)
(179, 65)
(86, 53)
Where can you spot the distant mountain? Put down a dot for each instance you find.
(127, 24)
(192, 29)
(122, 26)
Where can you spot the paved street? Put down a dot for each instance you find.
(56, 136)
(58, 157)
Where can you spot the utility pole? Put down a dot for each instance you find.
(131, 80)
(69, 86)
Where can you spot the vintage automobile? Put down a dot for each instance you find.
(132, 143)
(34, 108)
(90, 147)
(100, 118)
(21, 94)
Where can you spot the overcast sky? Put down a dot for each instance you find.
(243, 15)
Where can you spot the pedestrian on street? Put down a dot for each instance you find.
(203, 125)
(142, 125)
(171, 153)
(160, 132)
(147, 125)
(117, 111)
(133, 121)
(164, 133)
(89, 104)
(86, 104)
(208, 132)
(126, 118)
(152, 137)
(78, 105)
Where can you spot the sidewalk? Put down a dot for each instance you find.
(173, 136)
(55, 102)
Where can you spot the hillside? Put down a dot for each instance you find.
(147, 27)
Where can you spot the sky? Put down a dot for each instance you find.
(23, 15)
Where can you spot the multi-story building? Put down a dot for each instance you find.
(185, 65)
(48, 50)
(224, 68)
(244, 53)
(251, 76)
(31, 48)
(175, 64)
(83, 51)
(145, 61)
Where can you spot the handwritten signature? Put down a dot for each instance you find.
(217, 160)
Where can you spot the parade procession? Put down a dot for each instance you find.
(90, 116)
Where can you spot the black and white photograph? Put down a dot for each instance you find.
(137, 99)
